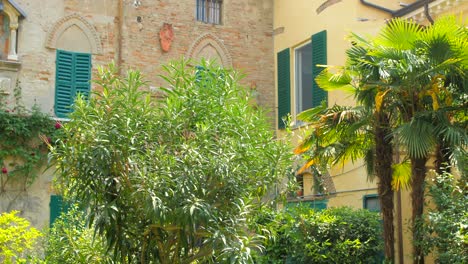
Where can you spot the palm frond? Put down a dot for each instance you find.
(449, 64)
(307, 165)
(359, 40)
(401, 176)
(312, 114)
(453, 135)
(446, 25)
(399, 34)
(305, 144)
(438, 48)
(356, 52)
(417, 136)
(387, 53)
(340, 80)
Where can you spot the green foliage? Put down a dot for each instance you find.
(17, 238)
(410, 86)
(336, 235)
(174, 180)
(445, 228)
(71, 241)
(22, 152)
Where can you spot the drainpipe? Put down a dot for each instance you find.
(364, 2)
(400, 12)
(119, 35)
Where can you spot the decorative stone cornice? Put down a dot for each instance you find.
(435, 8)
(66, 22)
(208, 39)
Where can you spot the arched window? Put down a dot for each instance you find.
(4, 35)
(10, 13)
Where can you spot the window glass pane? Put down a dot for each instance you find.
(304, 78)
(217, 9)
(372, 204)
(209, 11)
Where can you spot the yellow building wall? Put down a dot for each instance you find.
(294, 23)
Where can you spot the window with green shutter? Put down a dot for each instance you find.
(308, 58)
(284, 86)
(72, 77)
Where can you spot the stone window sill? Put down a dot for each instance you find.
(8, 65)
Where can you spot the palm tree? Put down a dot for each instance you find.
(342, 133)
(418, 62)
(413, 73)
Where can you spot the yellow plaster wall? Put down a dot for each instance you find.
(300, 20)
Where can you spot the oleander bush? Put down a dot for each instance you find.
(173, 180)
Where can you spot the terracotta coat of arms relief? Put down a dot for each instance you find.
(166, 35)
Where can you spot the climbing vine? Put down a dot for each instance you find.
(22, 151)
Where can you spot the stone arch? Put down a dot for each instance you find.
(78, 26)
(208, 46)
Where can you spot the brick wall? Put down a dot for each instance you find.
(245, 34)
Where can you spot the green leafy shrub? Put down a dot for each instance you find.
(70, 241)
(174, 180)
(17, 238)
(336, 235)
(445, 228)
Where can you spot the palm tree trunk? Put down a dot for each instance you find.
(383, 170)
(418, 170)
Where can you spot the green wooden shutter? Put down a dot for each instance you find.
(63, 83)
(319, 57)
(317, 205)
(82, 74)
(56, 208)
(284, 86)
(72, 76)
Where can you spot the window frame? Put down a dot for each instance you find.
(298, 95)
(208, 8)
(367, 197)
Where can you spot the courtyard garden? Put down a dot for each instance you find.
(194, 173)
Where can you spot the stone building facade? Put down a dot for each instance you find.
(237, 34)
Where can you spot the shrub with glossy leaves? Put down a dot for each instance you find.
(336, 235)
(171, 180)
(70, 241)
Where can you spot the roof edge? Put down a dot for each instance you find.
(18, 8)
